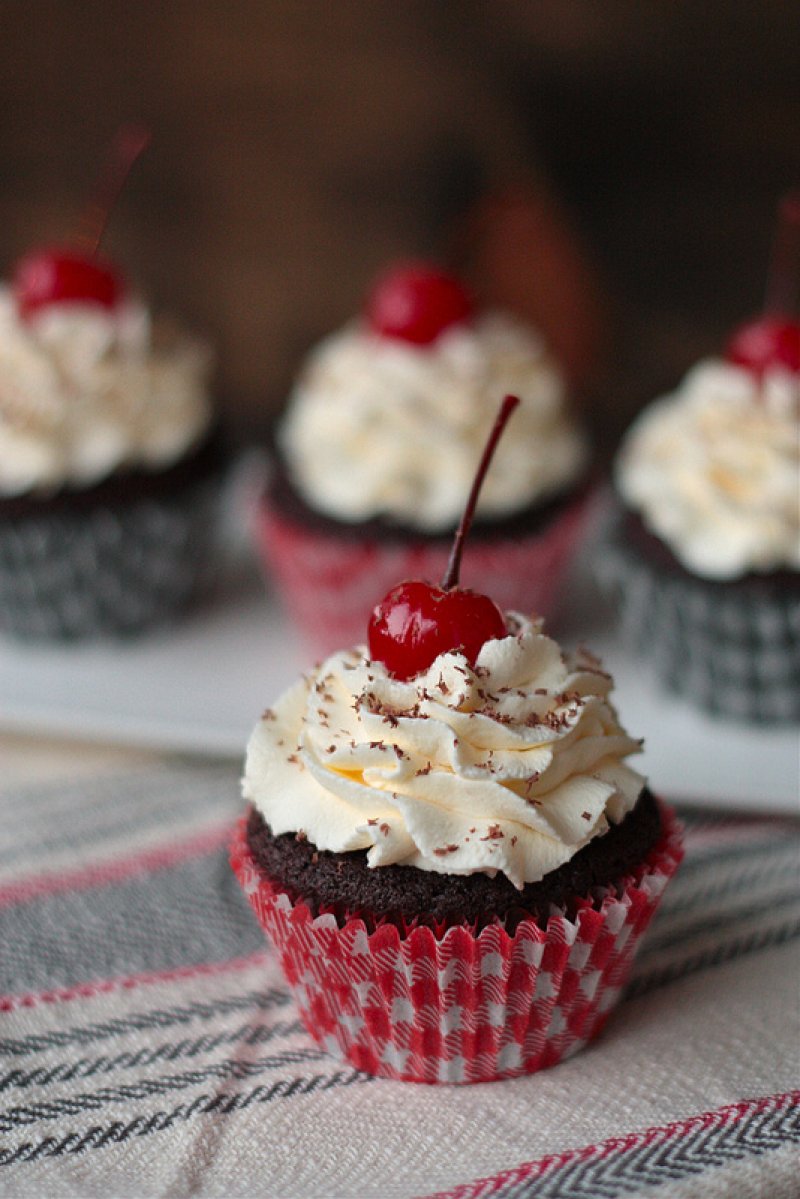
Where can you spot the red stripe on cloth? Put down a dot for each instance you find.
(103, 986)
(720, 1117)
(99, 875)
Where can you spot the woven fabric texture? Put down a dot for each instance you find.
(149, 1045)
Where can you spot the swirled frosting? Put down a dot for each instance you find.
(510, 766)
(380, 427)
(85, 392)
(714, 470)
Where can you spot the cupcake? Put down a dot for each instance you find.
(447, 845)
(704, 553)
(379, 440)
(108, 464)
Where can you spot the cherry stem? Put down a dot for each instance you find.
(451, 575)
(782, 280)
(129, 143)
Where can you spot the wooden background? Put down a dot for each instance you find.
(301, 144)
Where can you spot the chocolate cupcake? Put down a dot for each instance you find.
(379, 441)
(704, 553)
(446, 843)
(455, 868)
(109, 464)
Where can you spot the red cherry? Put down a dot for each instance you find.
(772, 341)
(57, 276)
(60, 275)
(415, 621)
(417, 303)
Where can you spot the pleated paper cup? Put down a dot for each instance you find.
(459, 1007)
(329, 585)
(731, 651)
(111, 568)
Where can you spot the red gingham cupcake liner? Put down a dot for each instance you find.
(330, 585)
(460, 1007)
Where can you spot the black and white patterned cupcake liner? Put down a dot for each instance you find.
(107, 569)
(734, 652)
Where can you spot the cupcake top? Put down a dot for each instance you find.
(87, 389)
(714, 470)
(388, 423)
(511, 764)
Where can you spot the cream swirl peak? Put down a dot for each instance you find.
(85, 391)
(510, 766)
(714, 470)
(382, 427)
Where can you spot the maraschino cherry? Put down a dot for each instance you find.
(75, 274)
(416, 303)
(773, 339)
(416, 621)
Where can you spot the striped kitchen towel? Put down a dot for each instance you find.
(149, 1047)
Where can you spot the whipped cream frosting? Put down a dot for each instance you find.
(380, 427)
(85, 391)
(714, 470)
(510, 766)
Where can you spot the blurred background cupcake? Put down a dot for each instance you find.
(377, 448)
(704, 558)
(108, 462)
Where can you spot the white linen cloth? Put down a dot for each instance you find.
(149, 1047)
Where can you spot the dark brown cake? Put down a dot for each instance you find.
(207, 460)
(654, 550)
(402, 894)
(286, 500)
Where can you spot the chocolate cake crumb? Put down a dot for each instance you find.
(345, 882)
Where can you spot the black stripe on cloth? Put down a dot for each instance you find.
(699, 858)
(192, 913)
(155, 1018)
(647, 977)
(629, 1170)
(669, 933)
(169, 1051)
(692, 893)
(40, 802)
(103, 810)
(146, 1088)
(224, 1103)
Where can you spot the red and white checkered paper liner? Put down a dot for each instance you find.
(330, 585)
(460, 1008)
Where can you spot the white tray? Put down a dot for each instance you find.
(199, 688)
